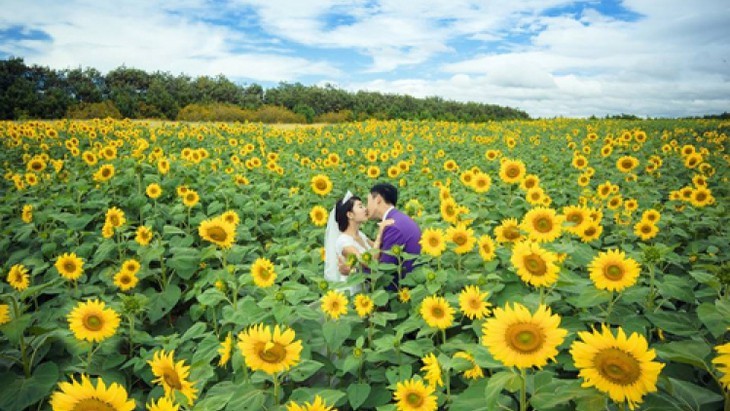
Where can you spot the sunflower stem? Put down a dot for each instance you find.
(23, 348)
(523, 390)
(130, 319)
(443, 335)
(88, 357)
(652, 288)
(611, 301)
(276, 389)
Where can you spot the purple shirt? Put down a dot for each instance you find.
(404, 232)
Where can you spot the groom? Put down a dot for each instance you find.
(404, 232)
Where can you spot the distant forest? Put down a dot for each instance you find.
(35, 92)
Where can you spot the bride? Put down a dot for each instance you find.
(343, 237)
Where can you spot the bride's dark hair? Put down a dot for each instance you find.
(341, 210)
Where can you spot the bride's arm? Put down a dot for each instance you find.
(344, 268)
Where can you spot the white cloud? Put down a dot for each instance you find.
(105, 36)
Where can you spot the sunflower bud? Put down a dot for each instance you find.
(397, 250)
(280, 296)
(323, 285)
(357, 352)
(431, 276)
(652, 255)
(221, 286)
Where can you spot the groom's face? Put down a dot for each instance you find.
(371, 205)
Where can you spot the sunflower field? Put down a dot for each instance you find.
(566, 265)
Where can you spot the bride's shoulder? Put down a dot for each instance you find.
(344, 239)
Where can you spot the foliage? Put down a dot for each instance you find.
(192, 294)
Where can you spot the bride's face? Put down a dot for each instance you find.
(359, 213)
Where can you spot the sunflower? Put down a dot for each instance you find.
(70, 266)
(701, 197)
(722, 362)
(535, 195)
(463, 237)
(231, 217)
(163, 166)
(413, 395)
(627, 163)
(485, 245)
(530, 181)
(404, 294)
(512, 171)
(125, 280)
(508, 231)
(651, 215)
(153, 191)
(319, 215)
(172, 375)
(4, 314)
(473, 302)
(449, 210)
(92, 321)
(143, 235)
(612, 270)
(692, 160)
(542, 224)
(18, 277)
(105, 173)
(619, 366)
(84, 395)
(433, 370)
(27, 214)
(363, 305)
(373, 171)
(263, 273)
(482, 183)
(163, 404)
(535, 265)
(580, 162)
(576, 218)
(473, 373)
(269, 352)
(520, 339)
(321, 184)
(218, 231)
(107, 230)
(225, 350)
(191, 198)
(36, 165)
(115, 217)
(334, 304)
(437, 312)
(317, 405)
(645, 230)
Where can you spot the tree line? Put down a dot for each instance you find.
(36, 92)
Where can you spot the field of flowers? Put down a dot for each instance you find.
(567, 264)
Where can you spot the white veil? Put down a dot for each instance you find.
(331, 269)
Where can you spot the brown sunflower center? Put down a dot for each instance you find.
(274, 354)
(486, 248)
(525, 338)
(530, 183)
(613, 272)
(590, 231)
(701, 196)
(92, 404)
(543, 224)
(170, 377)
(320, 184)
(535, 264)
(414, 399)
(105, 172)
(511, 233)
(617, 366)
(475, 303)
(69, 266)
(93, 322)
(190, 197)
(646, 229)
(125, 279)
(575, 218)
(36, 166)
(460, 239)
(627, 164)
(437, 312)
(217, 234)
(433, 242)
(512, 172)
(114, 219)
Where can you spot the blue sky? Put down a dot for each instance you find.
(548, 57)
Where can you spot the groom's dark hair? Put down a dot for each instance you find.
(387, 191)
